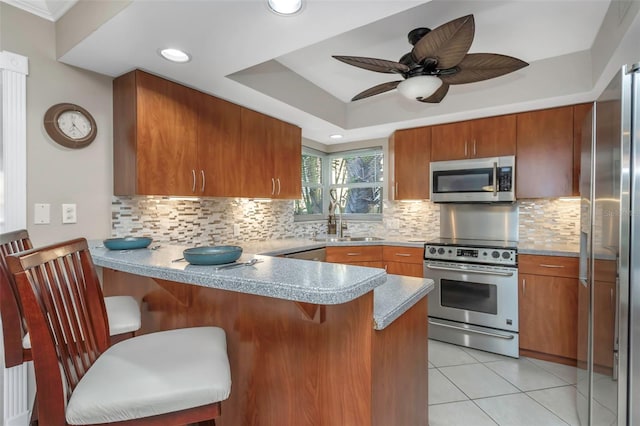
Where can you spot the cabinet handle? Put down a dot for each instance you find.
(203, 180)
(278, 185)
(524, 287)
(385, 268)
(354, 254)
(396, 189)
(273, 186)
(403, 254)
(545, 265)
(611, 299)
(465, 148)
(495, 179)
(474, 147)
(193, 174)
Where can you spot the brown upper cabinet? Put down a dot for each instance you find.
(173, 140)
(276, 152)
(485, 137)
(545, 153)
(410, 152)
(580, 114)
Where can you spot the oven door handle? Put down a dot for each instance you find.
(471, 271)
(486, 333)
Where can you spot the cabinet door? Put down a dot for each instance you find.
(402, 268)
(450, 141)
(351, 254)
(166, 137)
(219, 153)
(411, 152)
(580, 114)
(287, 156)
(257, 178)
(548, 314)
(493, 136)
(544, 153)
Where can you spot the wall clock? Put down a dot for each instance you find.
(70, 125)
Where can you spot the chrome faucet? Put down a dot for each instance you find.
(342, 225)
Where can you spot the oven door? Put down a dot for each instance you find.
(480, 295)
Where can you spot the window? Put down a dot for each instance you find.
(349, 182)
(311, 205)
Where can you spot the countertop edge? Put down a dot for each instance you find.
(397, 296)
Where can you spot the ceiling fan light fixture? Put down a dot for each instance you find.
(174, 55)
(420, 86)
(285, 7)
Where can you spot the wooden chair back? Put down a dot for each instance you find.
(13, 325)
(65, 313)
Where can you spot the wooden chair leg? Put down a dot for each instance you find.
(34, 412)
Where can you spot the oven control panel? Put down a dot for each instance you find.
(496, 256)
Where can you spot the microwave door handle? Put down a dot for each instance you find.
(495, 179)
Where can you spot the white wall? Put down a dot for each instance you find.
(57, 175)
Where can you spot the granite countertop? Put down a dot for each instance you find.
(293, 245)
(396, 296)
(289, 279)
(549, 249)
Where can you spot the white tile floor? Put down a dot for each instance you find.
(471, 387)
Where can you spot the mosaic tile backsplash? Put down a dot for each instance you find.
(209, 221)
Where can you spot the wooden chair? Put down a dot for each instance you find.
(171, 377)
(123, 311)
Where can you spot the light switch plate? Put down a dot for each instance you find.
(41, 214)
(69, 214)
(236, 230)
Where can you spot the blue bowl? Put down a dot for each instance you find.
(127, 243)
(213, 255)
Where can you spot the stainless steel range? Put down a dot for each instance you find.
(475, 269)
(475, 299)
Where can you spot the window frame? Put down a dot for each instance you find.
(327, 185)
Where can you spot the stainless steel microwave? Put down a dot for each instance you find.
(477, 180)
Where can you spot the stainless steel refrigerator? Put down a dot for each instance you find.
(609, 292)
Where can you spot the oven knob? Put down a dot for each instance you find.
(506, 255)
(484, 253)
(432, 250)
(495, 254)
(440, 250)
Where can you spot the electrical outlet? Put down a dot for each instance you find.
(236, 229)
(394, 224)
(41, 214)
(69, 214)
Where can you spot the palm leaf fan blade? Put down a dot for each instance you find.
(437, 96)
(376, 90)
(483, 66)
(448, 44)
(374, 64)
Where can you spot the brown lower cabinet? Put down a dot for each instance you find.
(396, 260)
(548, 307)
(403, 260)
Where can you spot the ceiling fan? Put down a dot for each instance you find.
(438, 59)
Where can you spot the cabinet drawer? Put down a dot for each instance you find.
(350, 254)
(555, 266)
(402, 254)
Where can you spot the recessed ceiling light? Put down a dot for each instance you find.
(336, 136)
(175, 55)
(285, 7)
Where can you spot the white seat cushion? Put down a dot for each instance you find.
(123, 313)
(153, 374)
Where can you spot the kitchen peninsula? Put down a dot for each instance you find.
(309, 343)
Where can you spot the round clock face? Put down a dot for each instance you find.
(74, 124)
(70, 125)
